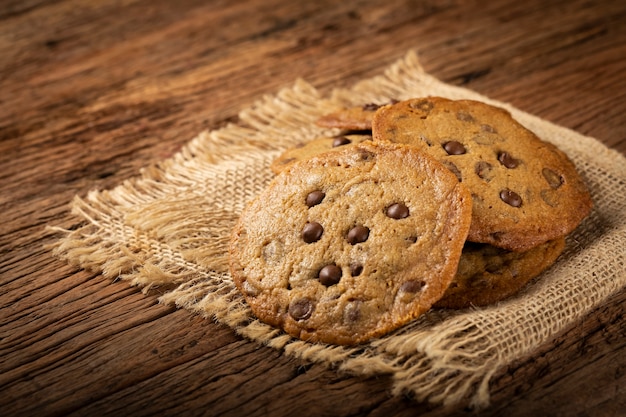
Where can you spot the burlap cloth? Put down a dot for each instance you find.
(170, 227)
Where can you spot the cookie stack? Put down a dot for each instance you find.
(421, 203)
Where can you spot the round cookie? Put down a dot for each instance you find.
(487, 274)
(315, 147)
(351, 118)
(525, 191)
(349, 245)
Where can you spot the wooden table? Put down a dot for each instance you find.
(91, 91)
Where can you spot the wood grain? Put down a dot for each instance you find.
(93, 91)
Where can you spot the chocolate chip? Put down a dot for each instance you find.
(371, 107)
(454, 148)
(464, 117)
(412, 286)
(553, 178)
(314, 198)
(422, 105)
(365, 155)
(488, 129)
(477, 198)
(397, 211)
(340, 141)
(329, 275)
(455, 170)
(301, 309)
(312, 232)
(352, 311)
(484, 139)
(507, 160)
(495, 268)
(550, 197)
(273, 251)
(511, 198)
(484, 170)
(356, 269)
(358, 234)
(477, 282)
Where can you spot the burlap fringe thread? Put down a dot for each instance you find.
(170, 226)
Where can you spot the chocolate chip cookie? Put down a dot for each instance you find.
(315, 147)
(349, 245)
(525, 191)
(487, 274)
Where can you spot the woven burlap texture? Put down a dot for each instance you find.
(170, 228)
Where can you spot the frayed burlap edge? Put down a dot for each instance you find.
(170, 226)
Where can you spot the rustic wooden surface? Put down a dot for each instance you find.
(91, 91)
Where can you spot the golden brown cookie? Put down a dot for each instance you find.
(315, 147)
(525, 191)
(487, 274)
(351, 118)
(349, 245)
